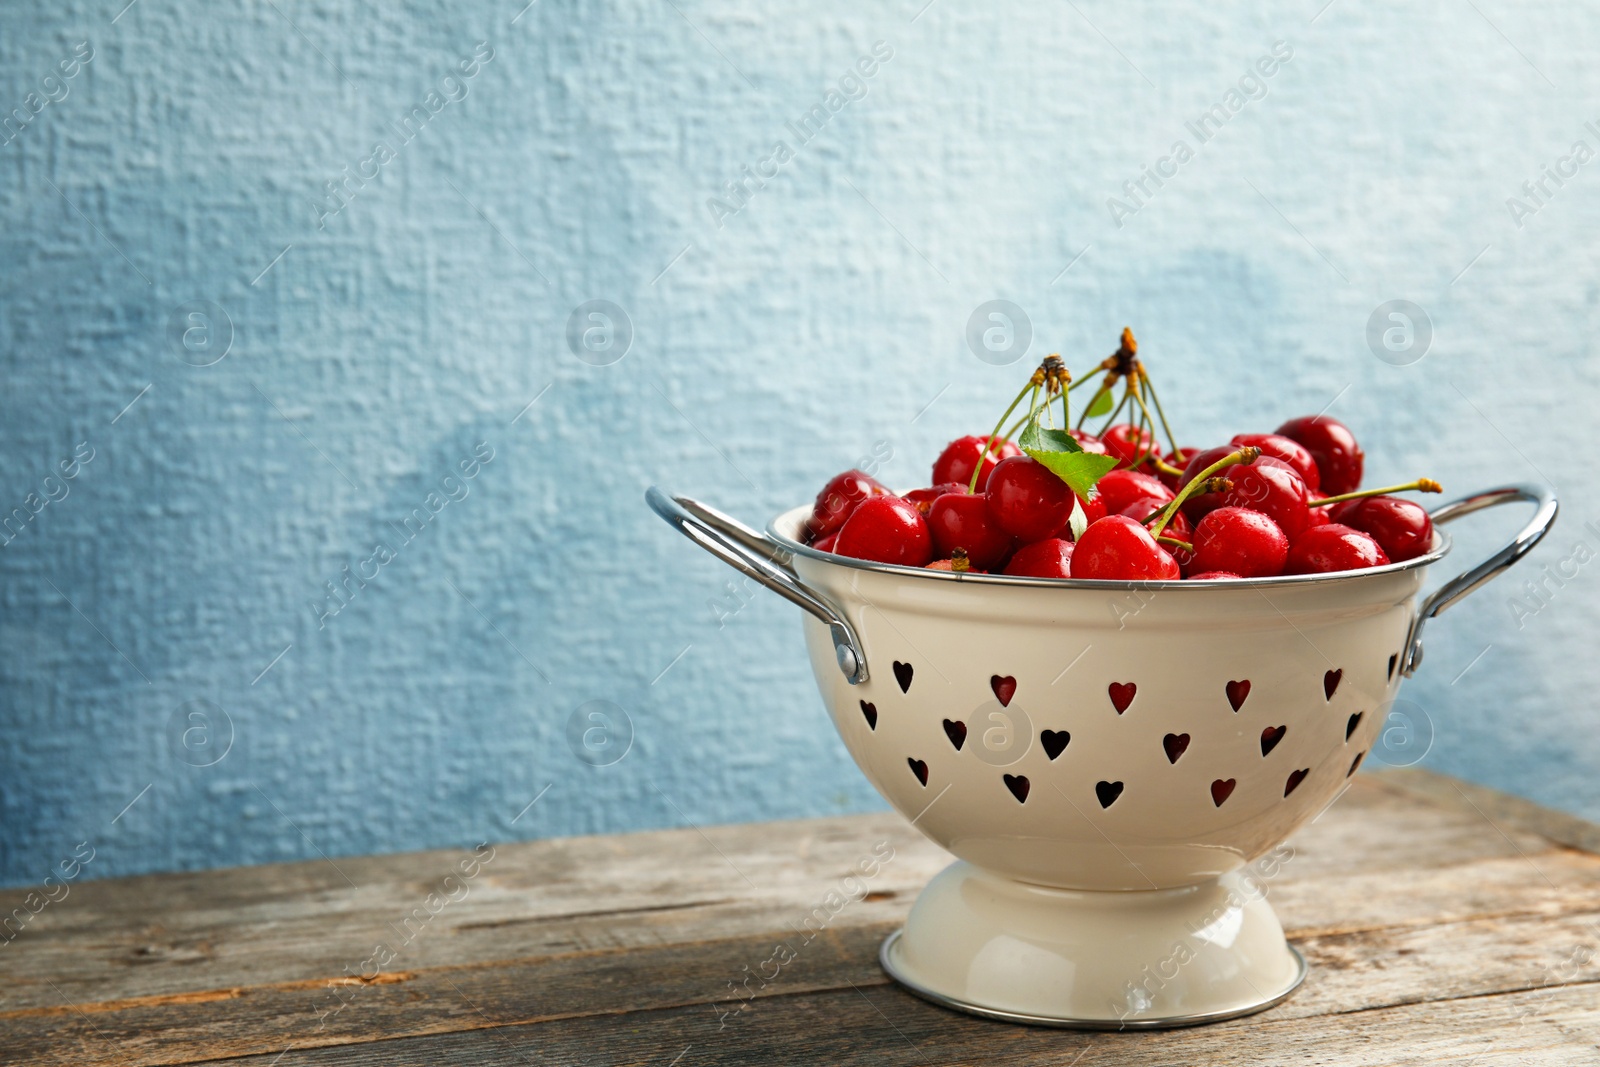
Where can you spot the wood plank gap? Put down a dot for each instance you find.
(610, 913)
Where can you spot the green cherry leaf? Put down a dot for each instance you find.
(1036, 438)
(1065, 458)
(1080, 470)
(1100, 405)
(1078, 521)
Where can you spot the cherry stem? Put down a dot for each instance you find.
(1421, 485)
(1106, 386)
(972, 487)
(1212, 485)
(1248, 454)
(1015, 426)
(1172, 439)
(959, 561)
(1186, 546)
(1114, 413)
(1146, 426)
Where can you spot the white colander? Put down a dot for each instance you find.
(1105, 758)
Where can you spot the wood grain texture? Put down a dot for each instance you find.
(1438, 930)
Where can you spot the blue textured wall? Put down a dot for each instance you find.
(385, 328)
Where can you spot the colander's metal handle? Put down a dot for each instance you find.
(1519, 546)
(751, 552)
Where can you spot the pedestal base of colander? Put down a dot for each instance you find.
(1006, 950)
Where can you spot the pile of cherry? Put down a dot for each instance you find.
(1263, 505)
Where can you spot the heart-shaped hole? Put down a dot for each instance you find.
(1054, 741)
(1004, 689)
(1107, 792)
(1270, 738)
(920, 769)
(1354, 764)
(1122, 694)
(1222, 789)
(1238, 692)
(1350, 727)
(902, 674)
(1018, 784)
(870, 711)
(1330, 682)
(1394, 661)
(1176, 745)
(1295, 778)
(956, 732)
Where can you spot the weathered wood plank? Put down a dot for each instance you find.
(169, 934)
(166, 935)
(1398, 895)
(1351, 972)
(1503, 809)
(1557, 1027)
(1548, 884)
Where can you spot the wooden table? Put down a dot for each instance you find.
(1445, 923)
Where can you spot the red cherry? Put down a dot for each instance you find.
(825, 544)
(1198, 505)
(1287, 449)
(1334, 547)
(1027, 500)
(1051, 558)
(1121, 549)
(1125, 442)
(1319, 516)
(1119, 488)
(1175, 481)
(1141, 509)
(1179, 528)
(1272, 488)
(959, 520)
(1211, 576)
(1334, 448)
(1089, 442)
(955, 463)
(922, 499)
(839, 498)
(886, 529)
(1239, 541)
(1402, 528)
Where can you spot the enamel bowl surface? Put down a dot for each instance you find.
(1116, 764)
(1105, 735)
